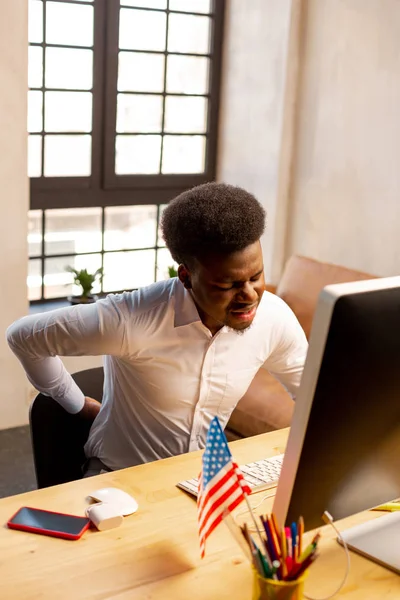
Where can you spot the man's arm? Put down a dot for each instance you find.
(90, 409)
(83, 330)
(286, 362)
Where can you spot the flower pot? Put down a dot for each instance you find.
(82, 299)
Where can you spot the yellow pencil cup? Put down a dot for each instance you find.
(271, 589)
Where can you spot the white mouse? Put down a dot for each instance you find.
(122, 501)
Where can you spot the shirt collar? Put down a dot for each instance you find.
(185, 308)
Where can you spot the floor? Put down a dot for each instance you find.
(17, 474)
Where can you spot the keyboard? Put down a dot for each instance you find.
(259, 475)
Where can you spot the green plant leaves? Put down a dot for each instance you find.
(85, 279)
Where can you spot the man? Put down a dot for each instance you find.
(180, 351)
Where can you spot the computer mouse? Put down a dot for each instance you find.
(122, 501)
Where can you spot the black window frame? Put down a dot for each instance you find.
(103, 188)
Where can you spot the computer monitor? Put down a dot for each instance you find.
(343, 451)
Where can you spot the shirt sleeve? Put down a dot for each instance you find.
(83, 330)
(286, 362)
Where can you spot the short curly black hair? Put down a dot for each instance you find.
(211, 218)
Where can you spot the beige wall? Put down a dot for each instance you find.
(342, 200)
(16, 392)
(13, 200)
(345, 201)
(252, 103)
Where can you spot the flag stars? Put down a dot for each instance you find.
(216, 454)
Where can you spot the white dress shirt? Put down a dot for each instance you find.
(166, 376)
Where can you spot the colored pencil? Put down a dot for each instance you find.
(288, 541)
(284, 571)
(293, 530)
(276, 529)
(270, 540)
(282, 555)
(300, 533)
(299, 569)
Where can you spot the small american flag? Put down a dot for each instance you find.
(221, 485)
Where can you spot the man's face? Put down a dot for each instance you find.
(227, 289)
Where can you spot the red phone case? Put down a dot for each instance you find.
(59, 534)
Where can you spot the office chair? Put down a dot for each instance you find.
(58, 437)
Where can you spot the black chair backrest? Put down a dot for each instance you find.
(58, 437)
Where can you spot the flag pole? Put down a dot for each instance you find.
(234, 529)
(258, 530)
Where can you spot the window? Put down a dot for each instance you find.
(122, 116)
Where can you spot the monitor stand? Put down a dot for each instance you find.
(377, 539)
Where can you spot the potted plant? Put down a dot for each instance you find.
(85, 280)
(172, 272)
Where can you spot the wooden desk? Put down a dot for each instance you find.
(155, 553)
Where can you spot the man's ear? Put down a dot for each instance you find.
(184, 276)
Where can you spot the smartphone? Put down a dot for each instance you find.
(45, 522)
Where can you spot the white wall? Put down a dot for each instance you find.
(13, 200)
(252, 104)
(346, 180)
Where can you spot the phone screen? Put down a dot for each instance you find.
(50, 521)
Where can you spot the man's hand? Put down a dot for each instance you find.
(90, 409)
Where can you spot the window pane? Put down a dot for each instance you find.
(200, 6)
(129, 227)
(188, 33)
(59, 283)
(185, 115)
(142, 29)
(128, 270)
(35, 21)
(69, 24)
(183, 154)
(137, 154)
(139, 113)
(145, 3)
(164, 260)
(187, 74)
(35, 111)
(67, 155)
(34, 280)
(35, 232)
(34, 156)
(35, 66)
(68, 111)
(140, 72)
(69, 68)
(160, 241)
(71, 230)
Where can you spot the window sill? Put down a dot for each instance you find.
(40, 307)
(47, 305)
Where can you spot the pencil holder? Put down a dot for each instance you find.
(271, 589)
